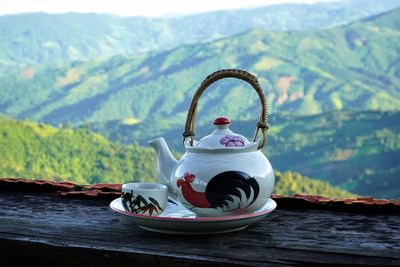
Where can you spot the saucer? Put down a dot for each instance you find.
(176, 219)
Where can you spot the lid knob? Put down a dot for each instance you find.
(222, 121)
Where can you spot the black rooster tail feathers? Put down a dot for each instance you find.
(222, 187)
(256, 188)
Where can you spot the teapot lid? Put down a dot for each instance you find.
(222, 136)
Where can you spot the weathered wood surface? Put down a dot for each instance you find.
(47, 229)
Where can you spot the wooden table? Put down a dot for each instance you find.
(48, 229)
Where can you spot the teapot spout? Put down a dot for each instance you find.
(165, 160)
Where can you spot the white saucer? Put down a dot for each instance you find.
(176, 219)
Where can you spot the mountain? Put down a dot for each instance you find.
(38, 38)
(318, 84)
(356, 151)
(39, 151)
(33, 151)
(356, 66)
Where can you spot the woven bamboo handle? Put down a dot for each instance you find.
(218, 75)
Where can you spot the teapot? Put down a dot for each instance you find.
(223, 173)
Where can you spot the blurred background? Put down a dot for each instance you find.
(85, 84)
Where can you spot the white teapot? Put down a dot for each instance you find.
(223, 173)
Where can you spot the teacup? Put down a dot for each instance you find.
(144, 198)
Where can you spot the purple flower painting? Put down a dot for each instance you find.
(232, 141)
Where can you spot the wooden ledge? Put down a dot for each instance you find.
(48, 229)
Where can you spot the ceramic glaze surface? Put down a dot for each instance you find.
(238, 173)
(222, 174)
(222, 136)
(144, 198)
(176, 219)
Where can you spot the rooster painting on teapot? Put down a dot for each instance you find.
(220, 190)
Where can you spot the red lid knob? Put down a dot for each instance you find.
(222, 121)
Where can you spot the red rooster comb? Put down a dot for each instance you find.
(189, 177)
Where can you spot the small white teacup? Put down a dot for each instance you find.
(144, 198)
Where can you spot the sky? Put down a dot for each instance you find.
(151, 8)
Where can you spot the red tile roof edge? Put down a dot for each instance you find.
(111, 191)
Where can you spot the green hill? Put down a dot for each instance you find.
(355, 66)
(290, 183)
(357, 151)
(38, 38)
(39, 151)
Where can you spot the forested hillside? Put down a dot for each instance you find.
(355, 66)
(39, 151)
(290, 183)
(45, 39)
(330, 72)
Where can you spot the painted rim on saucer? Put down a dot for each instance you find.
(267, 208)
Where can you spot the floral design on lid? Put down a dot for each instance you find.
(232, 141)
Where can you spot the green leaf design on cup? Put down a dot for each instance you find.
(141, 199)
(155, 202)
(138, 204)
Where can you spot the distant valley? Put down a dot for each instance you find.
(351, 67)
(30, 40)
